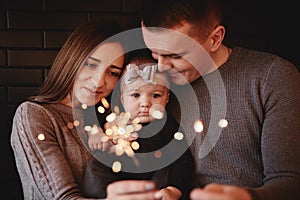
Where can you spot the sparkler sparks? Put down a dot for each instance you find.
(120, 133)
(119, 129)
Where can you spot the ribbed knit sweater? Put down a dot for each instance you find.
(50, 157)
(258, 95)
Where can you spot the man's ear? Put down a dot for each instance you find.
(217, 36)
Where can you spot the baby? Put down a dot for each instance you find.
(144, 95)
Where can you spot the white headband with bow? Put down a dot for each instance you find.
(148, 74)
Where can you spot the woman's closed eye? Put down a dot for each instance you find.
(90, 64)
(115, 74)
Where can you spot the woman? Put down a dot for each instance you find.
(47, 134)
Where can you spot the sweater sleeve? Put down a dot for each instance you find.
(40, 159)
(280, 134)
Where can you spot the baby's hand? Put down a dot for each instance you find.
(168, 193)
(98, 141)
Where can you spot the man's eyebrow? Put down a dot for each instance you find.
(172, 54)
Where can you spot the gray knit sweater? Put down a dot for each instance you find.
(258, 95)
(49, 168)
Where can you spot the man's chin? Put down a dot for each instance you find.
(179, 81)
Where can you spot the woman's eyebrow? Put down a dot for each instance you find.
(99, 61)
(116, 67)
(94, 59)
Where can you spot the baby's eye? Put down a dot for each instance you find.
(156, 96)
(135, 95)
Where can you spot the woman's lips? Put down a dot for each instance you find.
(93, 92)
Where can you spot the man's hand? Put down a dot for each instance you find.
(218, 191)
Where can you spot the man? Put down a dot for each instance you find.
(247, 104)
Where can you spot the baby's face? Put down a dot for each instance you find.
(140, 99)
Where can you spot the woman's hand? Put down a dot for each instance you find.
(218, 191)
(131, 190)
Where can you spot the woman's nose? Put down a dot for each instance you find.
(98, 79)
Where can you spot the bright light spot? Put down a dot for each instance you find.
(109, 131)
(94, 130)
(138, 127)
(157, 114)
(104, 139)
(41, 136)
(76, 123)
(135, 145)
(129, 128)
(87, 128)
(105, 103)
(84, 106)
(116, 167)
(70, 125)
(119, 150)
(198, 126)
(121, 131)
(116, 109)
(136, 120)
(101, 109)
(223, 123)
(129, 151)
(111, 117)
(157, 154)
(178, 136)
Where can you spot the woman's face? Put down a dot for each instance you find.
(99, 74)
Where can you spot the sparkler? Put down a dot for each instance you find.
(121, 130)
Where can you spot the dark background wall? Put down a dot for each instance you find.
(32, 32)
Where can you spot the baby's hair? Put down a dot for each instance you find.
(141, 57)
(138, 61)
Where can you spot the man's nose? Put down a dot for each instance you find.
(163, 64)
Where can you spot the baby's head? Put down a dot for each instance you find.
(144, 90)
